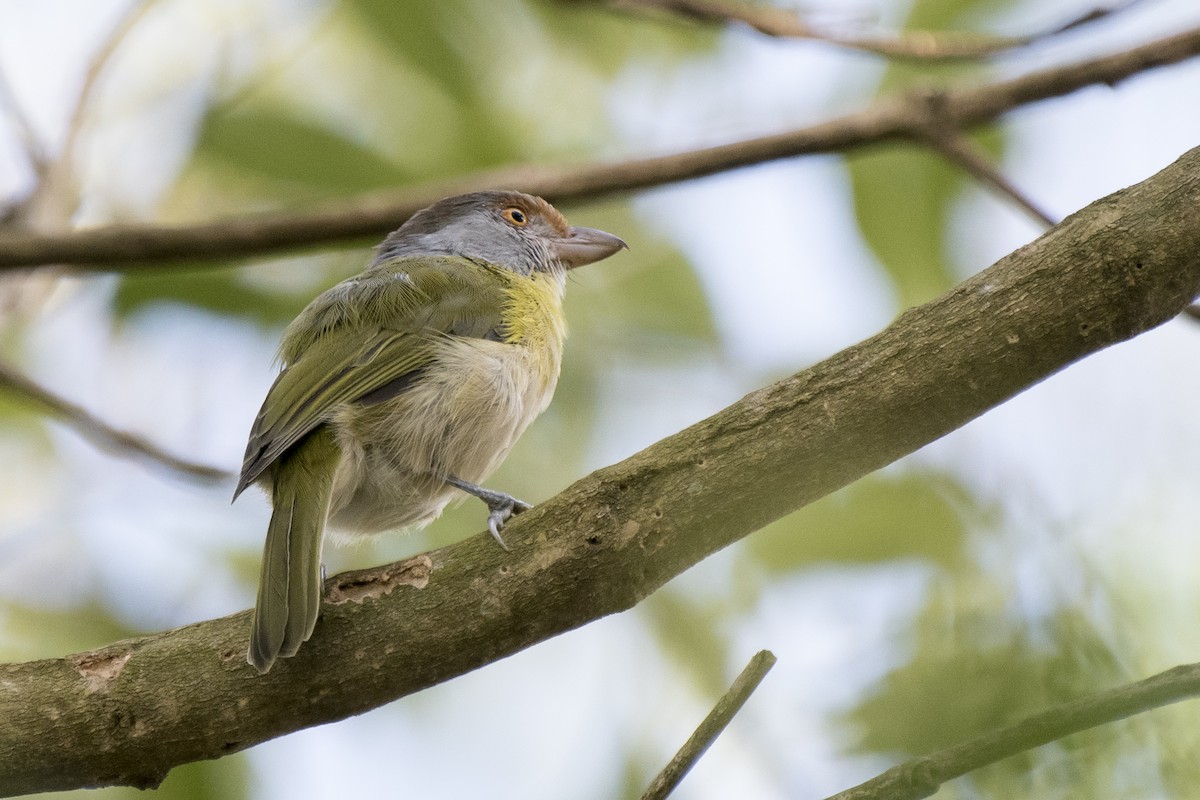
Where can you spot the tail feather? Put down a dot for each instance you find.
(289, 590)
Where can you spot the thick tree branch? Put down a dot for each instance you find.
(126, 247)
(922, 777)
(128, 713)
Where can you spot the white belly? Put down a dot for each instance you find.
(461, 419)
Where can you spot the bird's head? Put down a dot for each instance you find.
(511, 229)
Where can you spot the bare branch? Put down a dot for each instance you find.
(102, 434)
(953, 145)
(713, 725)
(130, 712)
(958, 149)
(906, 45)
(1193, 311)
(56, 196)
(34, 150)
(921, 777)
(96, 67)
(126, 247)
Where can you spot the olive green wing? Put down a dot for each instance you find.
(366, 340)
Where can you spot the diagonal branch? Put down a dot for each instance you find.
(55, 194)
(941, 135)
(130, 246)
(96, 68)
(713, 725)
(906, 45)
(960, 151)
(921, 777)
(101, 433)
(33, 148)
(128, 713)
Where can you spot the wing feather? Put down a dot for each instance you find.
(375, 330)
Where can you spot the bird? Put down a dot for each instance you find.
(405, 386)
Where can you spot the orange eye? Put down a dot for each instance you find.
(515, 216)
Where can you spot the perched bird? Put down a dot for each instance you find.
(407, 384)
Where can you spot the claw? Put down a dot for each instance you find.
(501, 506)
(501, 512)
(495, 523)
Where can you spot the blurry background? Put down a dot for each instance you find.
(1044, 551)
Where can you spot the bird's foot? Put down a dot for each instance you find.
(501, 506)
(499, 514)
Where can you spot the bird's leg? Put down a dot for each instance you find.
(501, 506)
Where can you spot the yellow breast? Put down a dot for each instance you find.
(533, 319)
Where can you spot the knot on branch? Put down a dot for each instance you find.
(100, 668)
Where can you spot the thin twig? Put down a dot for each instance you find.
(959, 150)
(371, 215)
(1193, 312)
(303, 45)
(102, 434)
(921, 777)
(953, 145)
(33, 148)
(908, 45)
(698, 743)
(96, 67)
(950, 143)
(54, 197)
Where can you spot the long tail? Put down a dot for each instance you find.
(289, 589)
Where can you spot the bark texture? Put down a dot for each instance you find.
(128, 713)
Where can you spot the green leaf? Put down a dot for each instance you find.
(445, 41)
(904, 194)
(31, 633)
(636, 304)
(221, 291)
(976, 666)
(427, 35)
(304, 160)
(879, 518)
(689, 632)
(611, 38)
(268, 293)
(902, 197)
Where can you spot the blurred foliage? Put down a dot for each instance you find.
(976, 666)
(693, 633)
(877, 519)
(23, 416)
(297, 159)
(266, 144)
(222, 291)
(452, 86)
(227, 779)
(30, 633)
(655, 297)
(903, 195)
